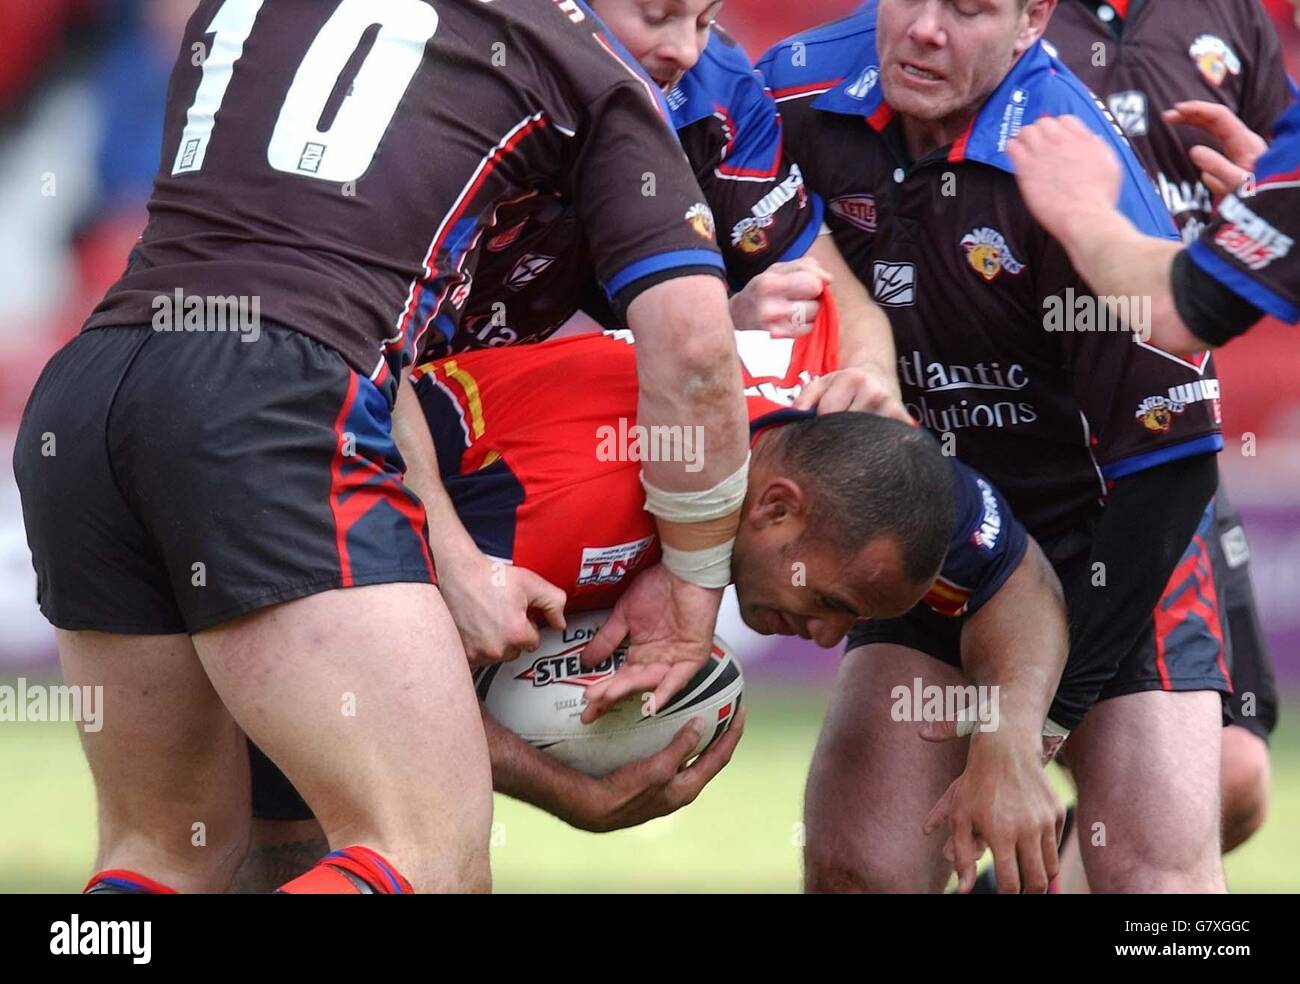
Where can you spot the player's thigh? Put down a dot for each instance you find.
(873, 780)
(1147, 769)
(168, 761)
(363, 698)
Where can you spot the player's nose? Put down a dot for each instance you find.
(925, 26)
(829, 631)
(682, 47)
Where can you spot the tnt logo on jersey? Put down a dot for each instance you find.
(1214, 58)
(1130, 111)
(858, 210)
(988, 254)
(609, 565)
(893, 284)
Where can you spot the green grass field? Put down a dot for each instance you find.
(741, 835)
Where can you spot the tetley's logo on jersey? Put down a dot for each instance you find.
(1214, 58)
(858, 210)
(566, 666)
(988, 253)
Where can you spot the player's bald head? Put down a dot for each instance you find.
(866, 477)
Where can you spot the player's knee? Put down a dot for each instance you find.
(1246, 775)
(839, 869)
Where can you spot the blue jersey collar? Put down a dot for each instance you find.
(1023, 92)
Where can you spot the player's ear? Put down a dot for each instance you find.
(782, 500)
(1033, 23)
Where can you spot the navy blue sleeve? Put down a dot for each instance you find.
(987, 545)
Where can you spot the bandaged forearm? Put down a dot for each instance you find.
(697, 530)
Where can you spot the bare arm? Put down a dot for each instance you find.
(1014, 649)
(651, 787)
(489, 601)
(690, 387)
(1071, 181)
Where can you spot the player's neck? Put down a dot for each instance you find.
(924, 137)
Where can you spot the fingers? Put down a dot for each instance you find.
(789, 319)
(939, 731)
(1006, 866)
(687, 784)
(939, 813)
(1033, 866)
(544, 597)
(678, 675)
(851, 389)
(811, 393)
(630, 678)
(1220, 175)
(607, 638)
(966, 854)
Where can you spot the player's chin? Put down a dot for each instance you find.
(934, 104)
(756, 617)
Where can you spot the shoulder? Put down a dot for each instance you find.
(825, 54)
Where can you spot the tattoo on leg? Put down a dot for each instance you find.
(267, 868)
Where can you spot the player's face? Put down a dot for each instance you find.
(666, 36)
(940, 59)
(790, 583)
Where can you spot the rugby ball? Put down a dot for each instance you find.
(540, 697)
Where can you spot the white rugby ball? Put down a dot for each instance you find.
(540, 697)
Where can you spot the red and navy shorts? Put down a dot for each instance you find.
(1181, 648)
(173, 481)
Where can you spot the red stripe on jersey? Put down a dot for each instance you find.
(958, 151)
(771, 171)
(636, 73)
(810, 87)
(881, 117)
(486, 166)
(1279, 178)
(355, 492)
(1199, 599)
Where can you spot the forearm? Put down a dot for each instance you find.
(522, 772)
(1144, 531)
(866, 340)
(1017, 643)
(1116, 260)
(447, 536)
(689, 382)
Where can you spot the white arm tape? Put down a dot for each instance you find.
(1053, 730)
(710, 568)
(698, 507)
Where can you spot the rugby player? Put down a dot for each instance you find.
(836, 493)
(218, 519)
(533, 276)
(913, 115)
(1238, 270)
(1141, 58)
